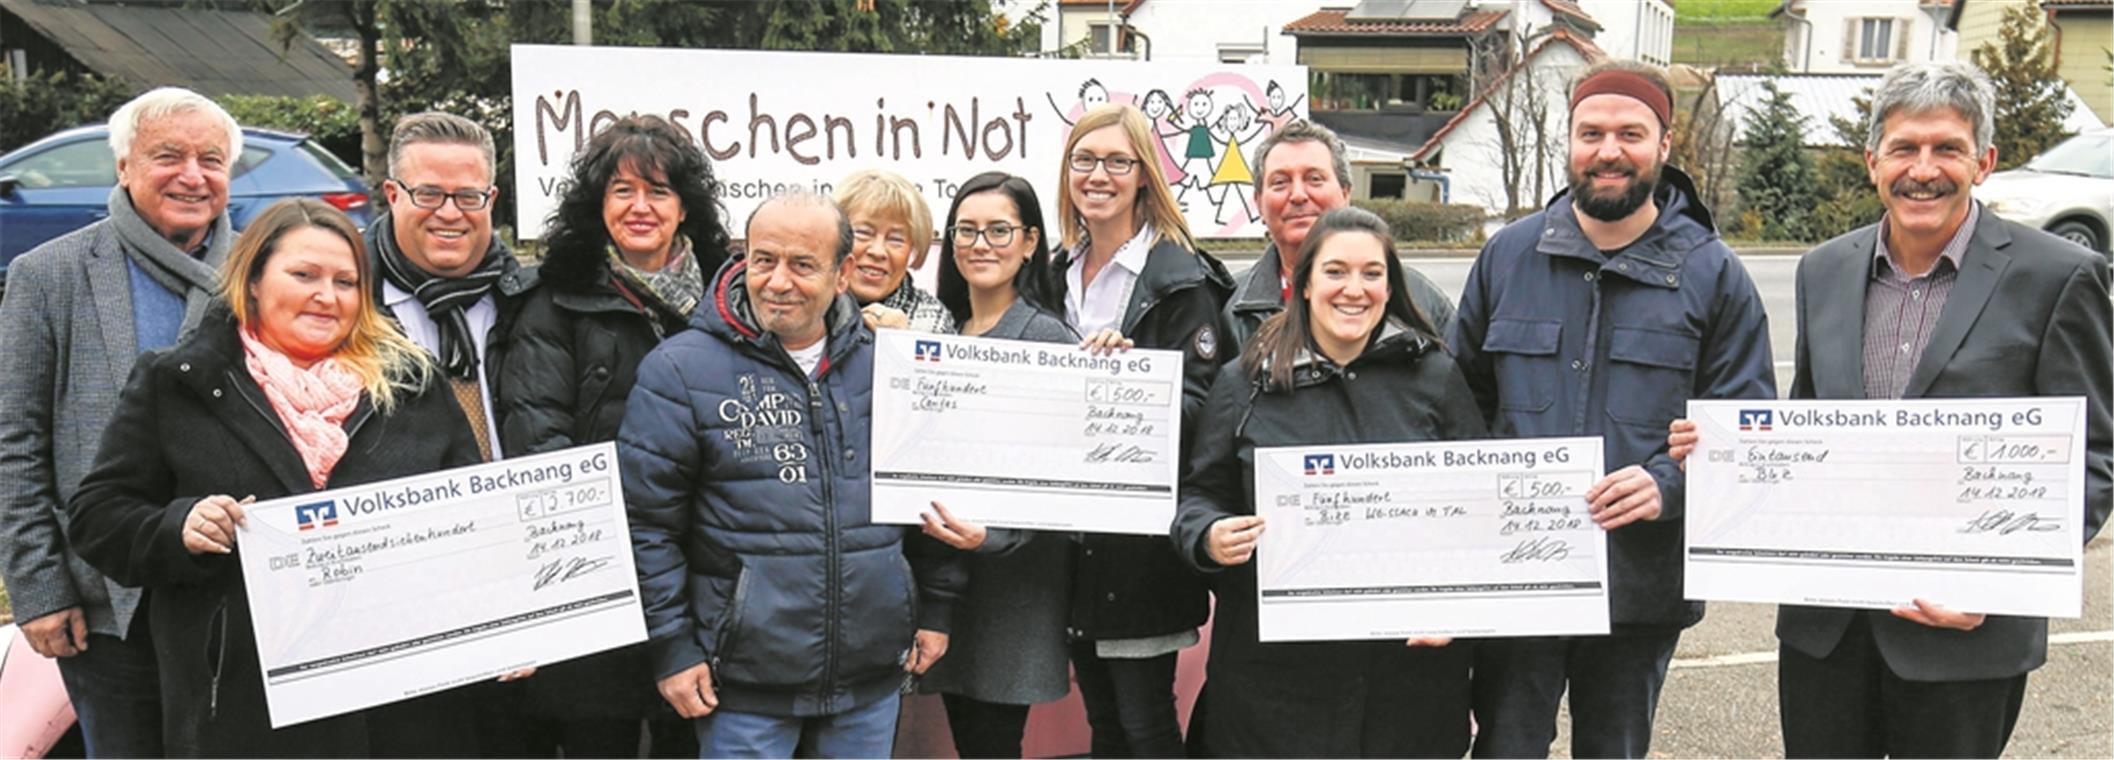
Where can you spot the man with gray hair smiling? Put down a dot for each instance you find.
(79, 310)
(1937, 300)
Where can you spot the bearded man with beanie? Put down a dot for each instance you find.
(1601, 315)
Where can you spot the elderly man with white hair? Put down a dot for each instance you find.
(79, 310)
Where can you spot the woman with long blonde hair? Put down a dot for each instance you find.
(1130, 274)
(292, 383)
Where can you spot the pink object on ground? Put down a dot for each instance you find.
(34, 711)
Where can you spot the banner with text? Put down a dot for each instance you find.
(771, 121)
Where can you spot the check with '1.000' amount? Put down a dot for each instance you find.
(1460, 538)
(1012, 434)
(376, 593)
(1974, 504)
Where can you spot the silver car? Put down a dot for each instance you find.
(2068, 190)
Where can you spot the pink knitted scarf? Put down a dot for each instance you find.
(313, 403)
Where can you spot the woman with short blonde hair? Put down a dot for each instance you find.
(891, 228)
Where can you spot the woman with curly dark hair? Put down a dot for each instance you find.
(636, 234)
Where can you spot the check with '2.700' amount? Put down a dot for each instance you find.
(382, 592)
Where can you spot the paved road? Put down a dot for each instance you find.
(1720, 698)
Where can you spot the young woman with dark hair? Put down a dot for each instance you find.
(1349, 361)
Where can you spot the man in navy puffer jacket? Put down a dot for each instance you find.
(779, 615)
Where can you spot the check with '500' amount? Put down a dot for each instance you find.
(1012, 434)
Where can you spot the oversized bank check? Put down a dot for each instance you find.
(1975, 504)
(371, 594)
(1460, 538)
(1025, 435)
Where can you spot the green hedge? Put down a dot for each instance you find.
(41, 104)
(1427, 222)
(333, 124)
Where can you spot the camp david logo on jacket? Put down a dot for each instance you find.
(767, 425)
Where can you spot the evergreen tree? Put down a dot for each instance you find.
(2032, 100)
(1847, 199)
(1778, 188)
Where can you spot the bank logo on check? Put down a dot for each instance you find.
(1321, 464)
(1756, 419)
(321, 514)
(928, 351)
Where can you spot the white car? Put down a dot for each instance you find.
(2068, 190)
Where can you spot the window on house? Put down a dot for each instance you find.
(1388, 185)
(1351, 91)
(1239, 53)
(1875, 39)
(1099, 36)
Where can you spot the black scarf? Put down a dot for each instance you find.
(445, 298)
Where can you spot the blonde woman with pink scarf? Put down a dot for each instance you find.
(292, 383)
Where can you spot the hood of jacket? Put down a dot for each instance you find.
(1396, 341)
(728, 314)
(1683, 223)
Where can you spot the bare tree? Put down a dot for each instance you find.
(1528, 135)
(1705, 141)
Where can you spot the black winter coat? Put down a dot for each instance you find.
(1321, 699)
(1128, 587)
(572, 355)
(192, 423)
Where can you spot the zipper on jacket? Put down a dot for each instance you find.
(829, 534)
(220, 658)
(269, 416)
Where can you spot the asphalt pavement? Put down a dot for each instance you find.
(1720, 696)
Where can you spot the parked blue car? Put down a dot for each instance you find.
(62, 183)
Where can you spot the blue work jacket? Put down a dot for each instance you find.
(1558, 338)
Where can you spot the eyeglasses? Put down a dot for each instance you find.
(428, 196)
(1117, 165)
(999, 234)
(895, 241)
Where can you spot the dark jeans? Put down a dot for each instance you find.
(115, 688)
(1849, 704)
(984, 729)
(1129, 703)
(1614, 683)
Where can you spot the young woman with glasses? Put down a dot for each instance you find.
(1007, 650)
(1131, 274)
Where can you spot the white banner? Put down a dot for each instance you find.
(775, 120)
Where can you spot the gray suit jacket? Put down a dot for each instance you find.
(2028, 316)
(68, 347)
